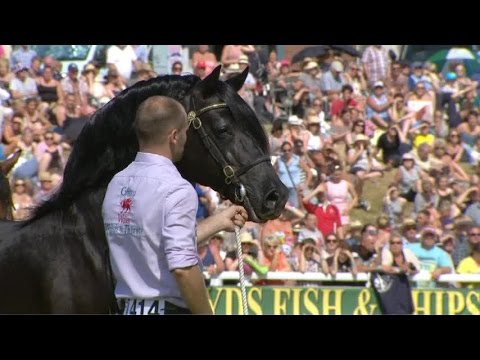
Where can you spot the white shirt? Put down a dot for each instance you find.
(149, 212)
(122, 59)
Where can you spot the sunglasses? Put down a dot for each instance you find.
(48, 137)
(20, 184)
(395, 243)
(474, 234)
(331, 240)
(271, 246)
(372, 232)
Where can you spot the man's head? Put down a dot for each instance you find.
(369, 237)
(161, 123)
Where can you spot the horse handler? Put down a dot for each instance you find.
(149, 213)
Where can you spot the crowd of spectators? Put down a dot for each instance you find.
(334, 124)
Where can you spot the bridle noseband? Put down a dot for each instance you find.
(231, 174)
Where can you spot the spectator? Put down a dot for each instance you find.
(376, 64)
(123, 59)
(396, 258)
(210, 254)
(471, 265)
(23, 86)
(367, 256)
(433, 260)
(333, 79)
(23, 55)
(328, 215)
(310, 231)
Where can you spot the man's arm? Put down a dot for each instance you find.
(226, 220)
(192, 286)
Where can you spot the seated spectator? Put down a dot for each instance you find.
(273, 257)
(23, 86)
(408, 177)
(342, 261)
(310, 260)
(394, 206)
(209, 252)
(433, 260)
(309, 230)
(471, 265)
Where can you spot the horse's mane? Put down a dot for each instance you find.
(107, 143)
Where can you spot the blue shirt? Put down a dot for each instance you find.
(430, 260)
(149, 215)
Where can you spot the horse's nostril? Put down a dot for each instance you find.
(271, 199)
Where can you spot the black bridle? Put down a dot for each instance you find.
(231, 173)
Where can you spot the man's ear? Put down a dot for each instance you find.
(173, 136)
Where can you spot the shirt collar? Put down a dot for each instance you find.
(153, 158)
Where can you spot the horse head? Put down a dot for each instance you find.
(227, 148)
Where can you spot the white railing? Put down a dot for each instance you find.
(341, 277)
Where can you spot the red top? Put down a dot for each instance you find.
(326, 217)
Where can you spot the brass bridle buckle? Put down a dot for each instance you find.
(229, 174)
(194, 120)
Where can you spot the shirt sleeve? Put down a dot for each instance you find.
(179, 231)
(444, 260)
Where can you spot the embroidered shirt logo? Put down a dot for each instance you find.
(126, 205)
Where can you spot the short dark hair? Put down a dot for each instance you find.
(156, 117)
(347, 87)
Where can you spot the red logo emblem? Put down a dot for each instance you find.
(126, 205)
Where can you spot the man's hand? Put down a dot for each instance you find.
(233, 216)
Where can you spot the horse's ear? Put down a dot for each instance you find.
(237, 81)
(209, 84)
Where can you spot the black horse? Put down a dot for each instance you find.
(58, 261)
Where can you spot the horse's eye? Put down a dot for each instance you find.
(222, 131)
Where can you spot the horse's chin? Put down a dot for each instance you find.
(252, 215)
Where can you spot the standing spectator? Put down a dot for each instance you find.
(367, 255)
(288, 167)
(396, 258)
(204, 55)
(21, 200)
(376, 64)
(328, 215)
(22, 56)
(341, 193)
(123, 59)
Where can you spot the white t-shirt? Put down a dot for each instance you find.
(122, 59)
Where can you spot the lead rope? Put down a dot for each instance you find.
(241, 271)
